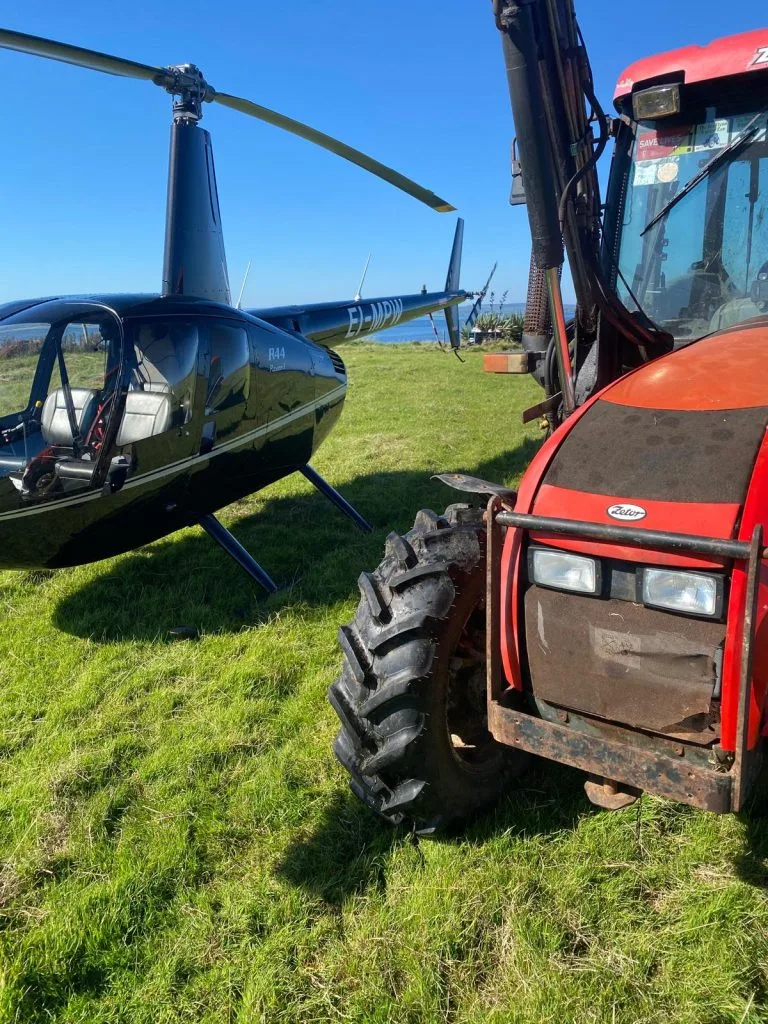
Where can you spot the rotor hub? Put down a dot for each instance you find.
(189, 89)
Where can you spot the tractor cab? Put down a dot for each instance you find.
(686, 230)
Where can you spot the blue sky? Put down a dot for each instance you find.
(417, 84)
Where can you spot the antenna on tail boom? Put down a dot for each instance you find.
(242, 286)
(358, 294)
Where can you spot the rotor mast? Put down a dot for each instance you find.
(194, 260)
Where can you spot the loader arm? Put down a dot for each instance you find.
(561, 133)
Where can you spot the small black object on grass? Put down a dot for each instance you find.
(184, 633)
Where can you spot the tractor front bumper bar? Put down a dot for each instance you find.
(669, 769)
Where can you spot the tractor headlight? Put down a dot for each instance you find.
(691, 593)
(658, 101)
(563, 570)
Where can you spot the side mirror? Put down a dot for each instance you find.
(517, 195)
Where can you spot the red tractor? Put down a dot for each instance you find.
(611, 614)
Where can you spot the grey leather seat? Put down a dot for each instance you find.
(54, 420)
(146, 414)
(158, 363)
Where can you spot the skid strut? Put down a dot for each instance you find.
(335, 498)
(235, 550)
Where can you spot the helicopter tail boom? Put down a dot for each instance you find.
(331, 322)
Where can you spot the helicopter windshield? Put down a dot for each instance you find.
(20, 347)
(57, 382)
(694, 262)
(27, 348)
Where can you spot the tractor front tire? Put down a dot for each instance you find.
(411, 696)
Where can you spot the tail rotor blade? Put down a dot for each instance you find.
(475, 311)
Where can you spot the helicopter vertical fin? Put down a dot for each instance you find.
(452, 285)
(195, 262)
(454, 266)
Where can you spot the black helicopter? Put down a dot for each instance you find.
(126, 417)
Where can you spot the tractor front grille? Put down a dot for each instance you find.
(624, 662)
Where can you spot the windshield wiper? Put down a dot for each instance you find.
(744, 136)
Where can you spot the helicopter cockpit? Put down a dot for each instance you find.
(78, 389)
(59, 379)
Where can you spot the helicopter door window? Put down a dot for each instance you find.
(84, 349)
(163, 380)
(228, 375)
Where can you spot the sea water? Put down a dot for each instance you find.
(421, 328)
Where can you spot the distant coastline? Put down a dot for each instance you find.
(421, 329)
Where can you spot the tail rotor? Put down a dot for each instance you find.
(480, 296)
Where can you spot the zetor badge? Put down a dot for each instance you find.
(626, 513)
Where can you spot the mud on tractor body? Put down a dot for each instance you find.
(610, 615)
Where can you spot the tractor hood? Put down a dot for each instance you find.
(670, 446)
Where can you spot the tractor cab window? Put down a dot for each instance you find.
(693, 233)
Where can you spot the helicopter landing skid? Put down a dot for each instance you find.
(235, 550)
(335, 498)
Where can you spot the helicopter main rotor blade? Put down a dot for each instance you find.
(78, 55)
(341, 149)
(172, 79)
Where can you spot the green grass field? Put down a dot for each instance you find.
(85, 370)
(178, 843)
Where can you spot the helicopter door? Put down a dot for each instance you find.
(156, 429)
(228, 384)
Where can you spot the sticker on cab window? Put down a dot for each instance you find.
(667, 171)
(652, 171)
(645, 174)
(657, 143)
(712, 135)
